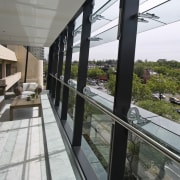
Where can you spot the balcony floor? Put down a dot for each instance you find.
(21, 150)
(22, 154)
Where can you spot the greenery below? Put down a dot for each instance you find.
(161, 108)
(163, 78)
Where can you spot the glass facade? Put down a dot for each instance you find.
(108, 142)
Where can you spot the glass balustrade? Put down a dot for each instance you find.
(97, 133)
(71, 104)
(143, 161)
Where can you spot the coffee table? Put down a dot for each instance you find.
(23, 103)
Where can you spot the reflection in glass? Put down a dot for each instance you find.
(97, 132)
(61, 95)
(71, 104)
(77, 29)
(145, 162)
(107, 13)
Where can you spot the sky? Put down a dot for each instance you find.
(158, 43)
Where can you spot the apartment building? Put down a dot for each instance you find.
(13, 67)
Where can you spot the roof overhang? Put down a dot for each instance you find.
(35, 22)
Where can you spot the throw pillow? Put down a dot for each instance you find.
(31, 87)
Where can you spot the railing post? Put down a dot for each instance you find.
(124, 77)
(82, 74)
(67, 72)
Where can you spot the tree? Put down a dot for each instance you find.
(74, 71)
(111, 84)
(140, 91)
(95, 73)
(162, 84)
(161, 108)
(139, 69)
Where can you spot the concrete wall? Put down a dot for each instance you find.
(11, 80)
(7, 54)
(35, 66)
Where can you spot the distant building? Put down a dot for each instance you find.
(12, 67)
(38, 52)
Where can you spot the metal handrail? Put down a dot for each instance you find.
(129, 127)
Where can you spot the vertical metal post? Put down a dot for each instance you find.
(128, 30)
(60, 67)
(54, 70)
(82, 74)
(67, 72)
(26, 65)
(51, 49)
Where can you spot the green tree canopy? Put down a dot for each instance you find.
(162, 84)
(111, 84)
(139, 69)
(74, 71)
(161, 108)
(140, 91)
(95, 73)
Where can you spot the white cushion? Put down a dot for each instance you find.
(25, 85)
(28, 93)
(29, 86)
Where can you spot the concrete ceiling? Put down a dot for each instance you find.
(35, 22)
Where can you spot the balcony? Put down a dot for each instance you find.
(7, 82)
(25, 143)
(28, 148)
(82, 136)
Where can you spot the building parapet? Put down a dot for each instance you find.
(9, 81)
(7, 54)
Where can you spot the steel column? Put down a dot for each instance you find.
(67, 72)
(51, 49)
(82, 74)
(27, 53)
(128, 30)
(60, 67)
(54, 69)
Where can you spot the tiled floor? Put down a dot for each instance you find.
(22, 149)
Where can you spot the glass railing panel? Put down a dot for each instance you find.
(99, 4)
(167, 12)
(71, 104)
(146, 5)
(160, 14)
(102, 98)
(77, 29)
(104, 37)
(97, 133)
(61, 95)
(151, 24)
(107, 13)
(145, 162)
(162, 130)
